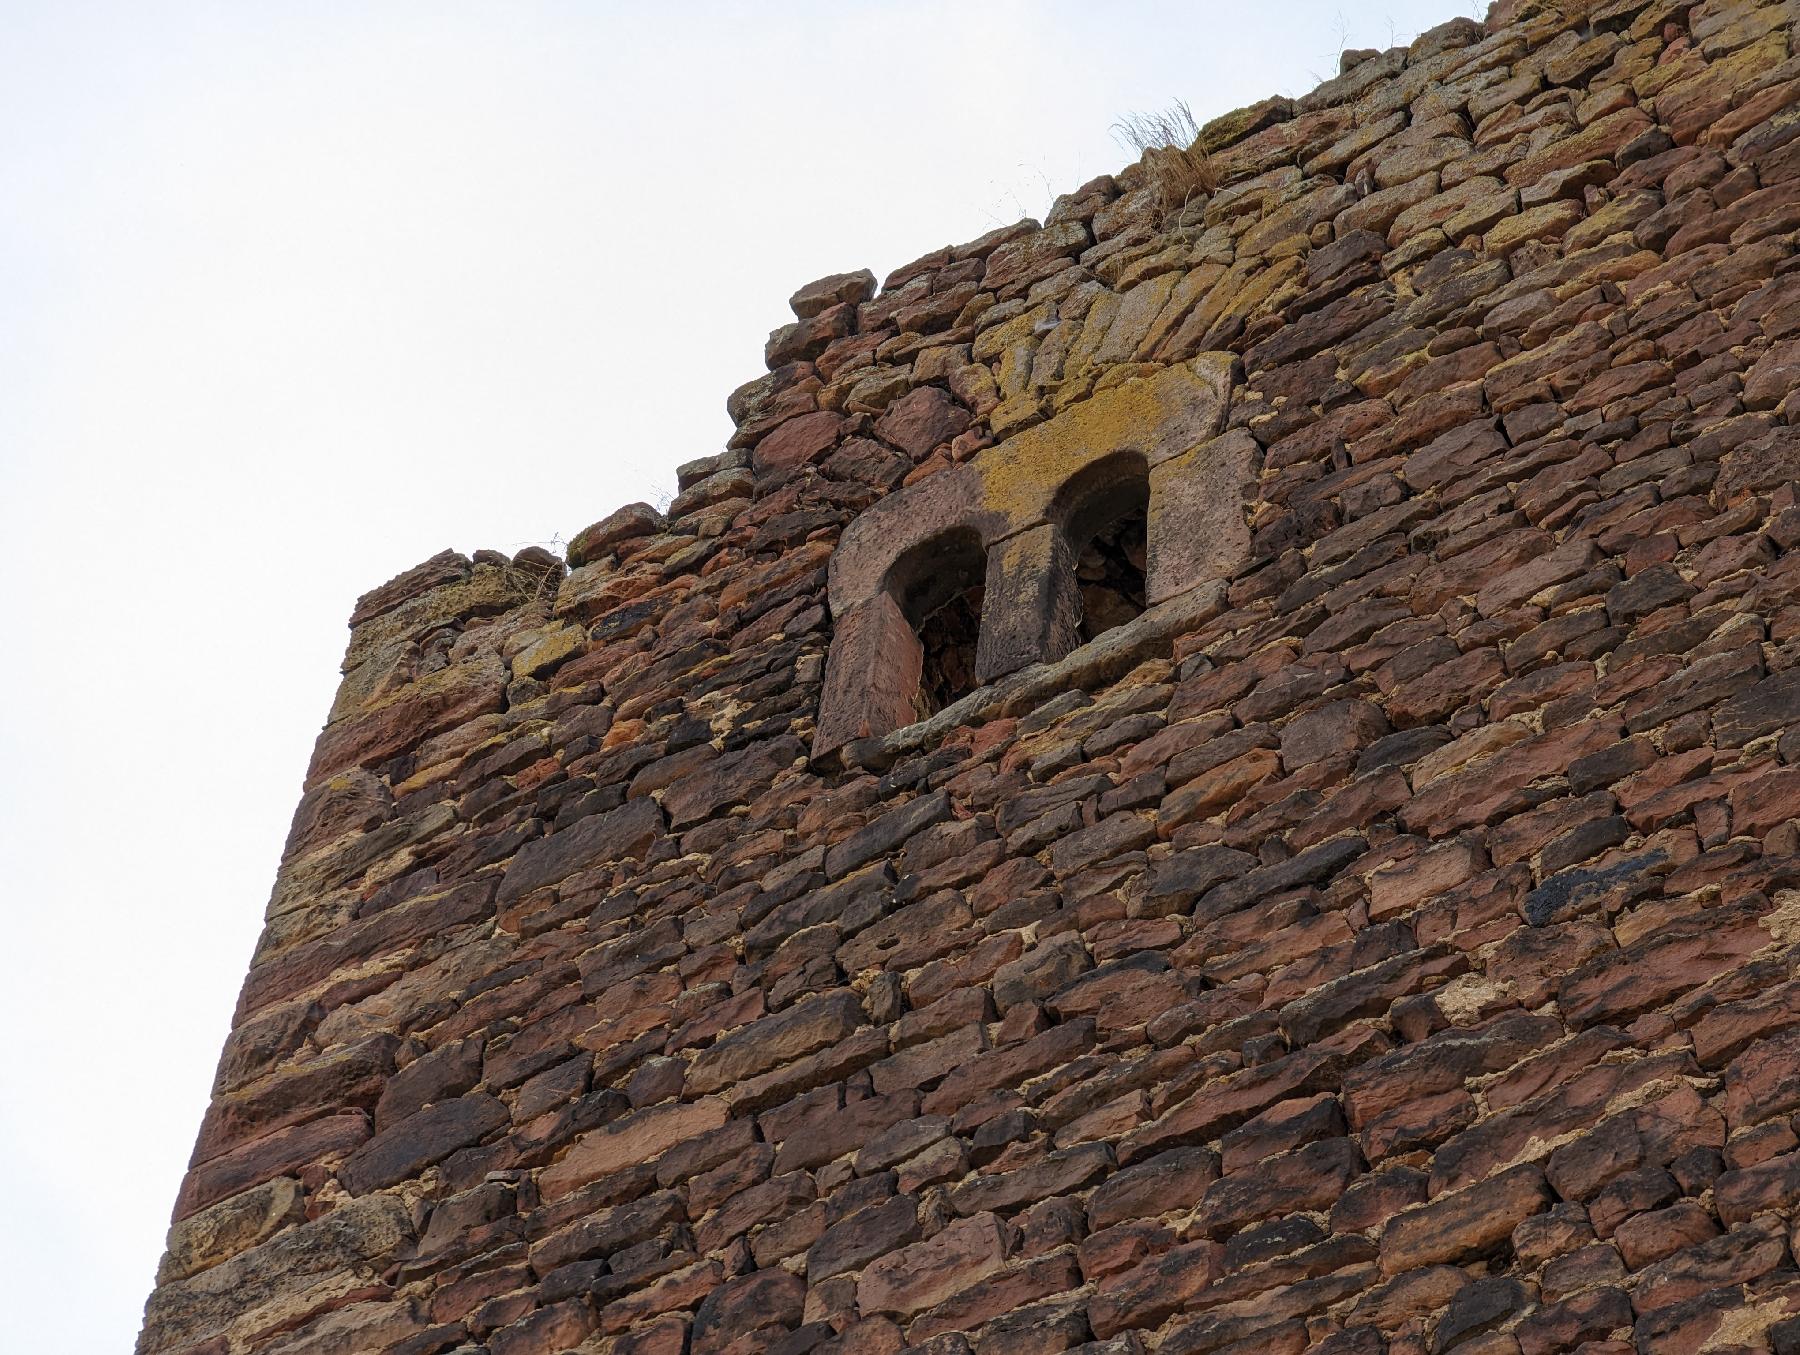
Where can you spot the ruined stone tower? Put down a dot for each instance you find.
(1218, 774)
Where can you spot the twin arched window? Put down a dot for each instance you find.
(1100, 560)
(1042, 543)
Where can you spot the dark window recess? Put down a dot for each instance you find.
(948, 636)
(940, 590)
(1110, 573)
(1105, 511)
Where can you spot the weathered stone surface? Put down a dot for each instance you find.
(1041, 971)
(834, 290)
(308, 1265)
(623, 524)
(921, 420)
(1215, 1109)
(1463, 1223)
(637, 1138)
(280, 1153)
(1172, 1180)
(233, 1225)
(360, 1326)
(798, 441)
(751, 1303)
(605, 1231)
(886, 833)
(1150, 1292)
(774, 1040)
(1060, 1173)
(926, 1273)
(1312, 1178)
(732, 779)
(428, 705)
(429, 1136)
(863, 1237)
(1772, 704)
(490, 587)
(621, 834)
(354, 1076)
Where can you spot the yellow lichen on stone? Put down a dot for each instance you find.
(1157, 415)
(549, 650)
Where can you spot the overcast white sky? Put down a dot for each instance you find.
(293, 296)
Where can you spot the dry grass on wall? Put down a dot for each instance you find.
(1169, 144)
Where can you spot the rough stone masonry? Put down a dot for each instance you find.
(1307, 860)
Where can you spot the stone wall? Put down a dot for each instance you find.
(1385, 942)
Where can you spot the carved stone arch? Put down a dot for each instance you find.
(1099, 491)
(890, 570)
(950, 501)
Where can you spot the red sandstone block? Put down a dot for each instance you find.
(1010, 1065)
(422, 1139)
(1057, 1174)
(863, 1237)
(307, 966)
(1650, 1237)
(1531, 1077)
(1423, 1122)
(1150, 1292)
(639, 1137)
(345, 1079)
(654, 1294)
(774, 1040)
(1246, 1323)
(1121, 994)
(1746, 1253)
(921, 1275)
(1285, 1126)
(1169, 1181)
(1476, 914)
(1577, 1322)
(1446, 1061)
(1399, 888)
(762, 1204)
(1491, 788)
(1724, 1030)
(1762, 801)
(1665, 964)
(1763, 1081)
(1340, 1001)
(921, 420)
(1208, 793)
(440, 702)
(828, 1065)
(1310, 1178)
(1463, 1223)
(1226, 1104)
(997, 1295)
(1566, 1108)
(1108, 1251)
(765, 1301)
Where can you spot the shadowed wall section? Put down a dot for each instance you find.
(1184, 785)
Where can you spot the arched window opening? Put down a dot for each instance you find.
(940, 587)
(1105, 512)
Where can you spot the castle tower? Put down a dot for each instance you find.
(1217, 774)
